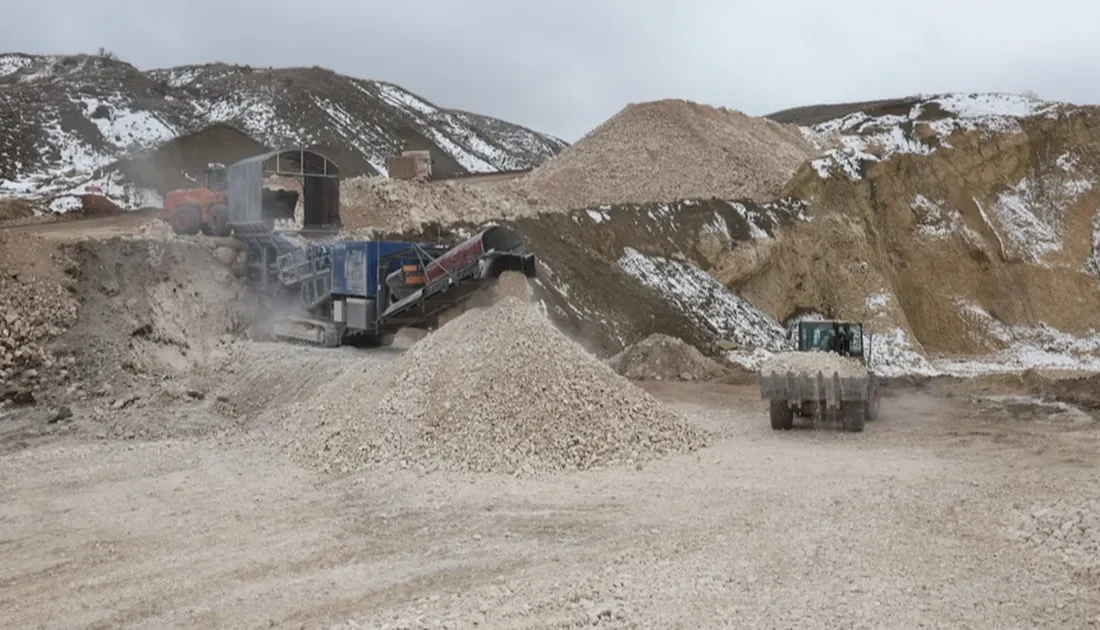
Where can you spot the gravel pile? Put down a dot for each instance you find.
(663, 358)
(496, 390)
(1070, 531)
(397, 205)
(812, 363)
(36, 306)
(670, 150)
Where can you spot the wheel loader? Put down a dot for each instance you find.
(851, 400)
(206, 209)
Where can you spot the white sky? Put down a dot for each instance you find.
(565, 66)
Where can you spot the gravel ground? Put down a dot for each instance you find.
(931, 518)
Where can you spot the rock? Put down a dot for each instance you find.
(123, 402)
(59, 414)
(600, 611)
(17, 396)
(225, 255)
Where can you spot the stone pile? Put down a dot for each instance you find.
(36, 306)
(498, 389)
(660, 357)
(813, 362)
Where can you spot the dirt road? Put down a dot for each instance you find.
(99, 227)
(919, 522)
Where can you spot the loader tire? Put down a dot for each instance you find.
(219, 220)
(782, 416)
(186, 219)
(855, 416)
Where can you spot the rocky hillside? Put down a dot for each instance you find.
(65, 120)
(962, 228)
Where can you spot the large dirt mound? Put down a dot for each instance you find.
(496, 390)
(663, 358)
(670, 150)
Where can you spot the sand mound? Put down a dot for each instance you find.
(496, 390)
(662, 358)
(669, 150)
(812, 363)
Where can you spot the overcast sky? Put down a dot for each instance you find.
(563, 66)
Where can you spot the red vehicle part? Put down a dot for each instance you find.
(494, 239)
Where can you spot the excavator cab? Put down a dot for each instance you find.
(828, 335)
(216, 177)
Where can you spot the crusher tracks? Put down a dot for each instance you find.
(305, 331)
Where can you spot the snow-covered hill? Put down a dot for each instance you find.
(64, 117)
(919, 126)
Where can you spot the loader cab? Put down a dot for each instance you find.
(215, 177)
(820, 335)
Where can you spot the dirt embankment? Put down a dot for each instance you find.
(153, 308)
(121, 312)
(587, 291)
(12, 209)
(36, 305)
(1000, 222)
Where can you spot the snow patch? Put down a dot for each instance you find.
(256, 115)
(934, 221)
(893, 354)
(123, 127)
(705, 301)
(10, 64)
(1028, 347)
(463, 156)
(1092, 263)
(401, 99)
(993, 105)
(1029, 237)
(367, 140)
(857, 139)
(878, 302)
(62, 205)
(1067, 162)
(599, 216)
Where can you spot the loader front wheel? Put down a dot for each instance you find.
(186, 219)
(855, 416)
(219, 220)
(782, 415)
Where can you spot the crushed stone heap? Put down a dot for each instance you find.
(498, 390)
(395, 205)
(670, 150)
(812, 363)
(663, 358)
(36, 306)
